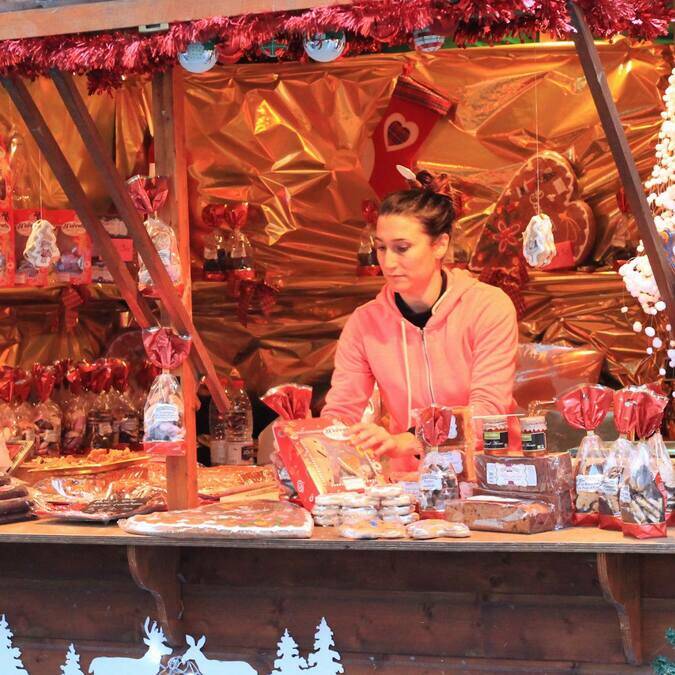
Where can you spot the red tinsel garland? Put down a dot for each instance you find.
(106, 57)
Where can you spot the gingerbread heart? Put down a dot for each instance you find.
(399, 132)
(574, 228)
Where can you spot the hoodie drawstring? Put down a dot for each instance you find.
(407, 370)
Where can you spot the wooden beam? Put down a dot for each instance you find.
(168, 118)
(618, 143)
(45, 140)
(117, 189)
(619, 576)
(116, 14)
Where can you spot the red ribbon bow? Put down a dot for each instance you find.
(434, 423)
(44, 378)
(165, 348)
(148, 194)
(585, 406)
(236, 215)
(289, 401)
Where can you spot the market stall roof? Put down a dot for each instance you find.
(54, 37)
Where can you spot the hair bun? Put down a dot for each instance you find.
(441, 184)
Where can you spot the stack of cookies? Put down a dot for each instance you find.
(15, 504)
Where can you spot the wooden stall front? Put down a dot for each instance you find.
(575, 601)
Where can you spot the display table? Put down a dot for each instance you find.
(578, 600)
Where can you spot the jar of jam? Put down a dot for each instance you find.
(533, 436)
(496, 435)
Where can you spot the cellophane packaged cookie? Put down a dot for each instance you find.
(584, 407)
(7, 267)
(74, 244)
(320, 458)
(36, 249)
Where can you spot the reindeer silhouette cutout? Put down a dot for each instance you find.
(213, 667)
(148, 664)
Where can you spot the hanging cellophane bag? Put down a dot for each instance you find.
(239, 250)
(367, 263)
(47, 415)
(663, 465)
(126, 417)
(148, 196)
(643, 497)
(23, 411)
(163, 416)
(74, 409)
(585, 407)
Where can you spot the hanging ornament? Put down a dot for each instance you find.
(198, 57)
(325, 47)
(427, 41)
(274, 48)
(384, 30)
(538, 242)
(41, 250)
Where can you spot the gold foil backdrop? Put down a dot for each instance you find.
(294, 140)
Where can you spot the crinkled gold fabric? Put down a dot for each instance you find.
(294, 140)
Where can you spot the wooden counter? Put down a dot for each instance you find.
(580, 600)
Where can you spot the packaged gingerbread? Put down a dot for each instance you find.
(585, 407)
(74, 244)
(74, 410)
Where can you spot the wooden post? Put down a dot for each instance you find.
(45, 140)
(618, 143)
(169, 134)
(180, 318)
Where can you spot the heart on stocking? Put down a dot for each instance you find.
(573, 222)
(399, 132)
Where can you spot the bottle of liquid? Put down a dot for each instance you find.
(232, 432)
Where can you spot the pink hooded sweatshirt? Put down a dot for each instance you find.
(465, 355)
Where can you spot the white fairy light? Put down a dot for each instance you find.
(637, 327)
(650, 332)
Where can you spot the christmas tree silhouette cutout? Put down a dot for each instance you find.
(72, 664)
(10, 657)
(289, 662)
(324, 660)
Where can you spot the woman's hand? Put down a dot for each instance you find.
(380, 442)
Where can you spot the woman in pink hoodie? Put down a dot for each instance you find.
(432, 335)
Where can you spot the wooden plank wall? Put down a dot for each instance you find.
(391, 612)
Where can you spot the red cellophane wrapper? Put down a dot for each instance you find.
(433, 425)
(289, 401)
(236, 215)
(47, 415)
(213, 215)
(164, 430)
(148, 194)
(584, 407)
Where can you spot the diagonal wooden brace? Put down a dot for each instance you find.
(618, 143)
(179, 316)
(71, 186)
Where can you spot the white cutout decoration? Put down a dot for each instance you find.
(148, 664)
(211, 666)
(72, 664)
(10, 657)
(324, 660)
(538, 241)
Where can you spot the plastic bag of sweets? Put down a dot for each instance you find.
(663, 465)
(239, 254)
(126, 417)
(216, 254)
(99, 432)
(47, 415)
(436, 427)
(584, 407)
(148, 196)
(7, 267)
(643, 496)
(23, 411)
(74, 409)
(625, 420)
(164, 430)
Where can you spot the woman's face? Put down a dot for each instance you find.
(407, 255)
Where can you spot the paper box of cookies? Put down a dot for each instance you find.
(320, 458)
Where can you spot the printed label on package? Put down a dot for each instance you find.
(522, 475)
(589, 483)
(430, 482)
(165, 412)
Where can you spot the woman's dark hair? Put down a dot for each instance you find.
(433, 204)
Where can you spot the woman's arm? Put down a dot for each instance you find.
(352, 382)
(494, 356)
